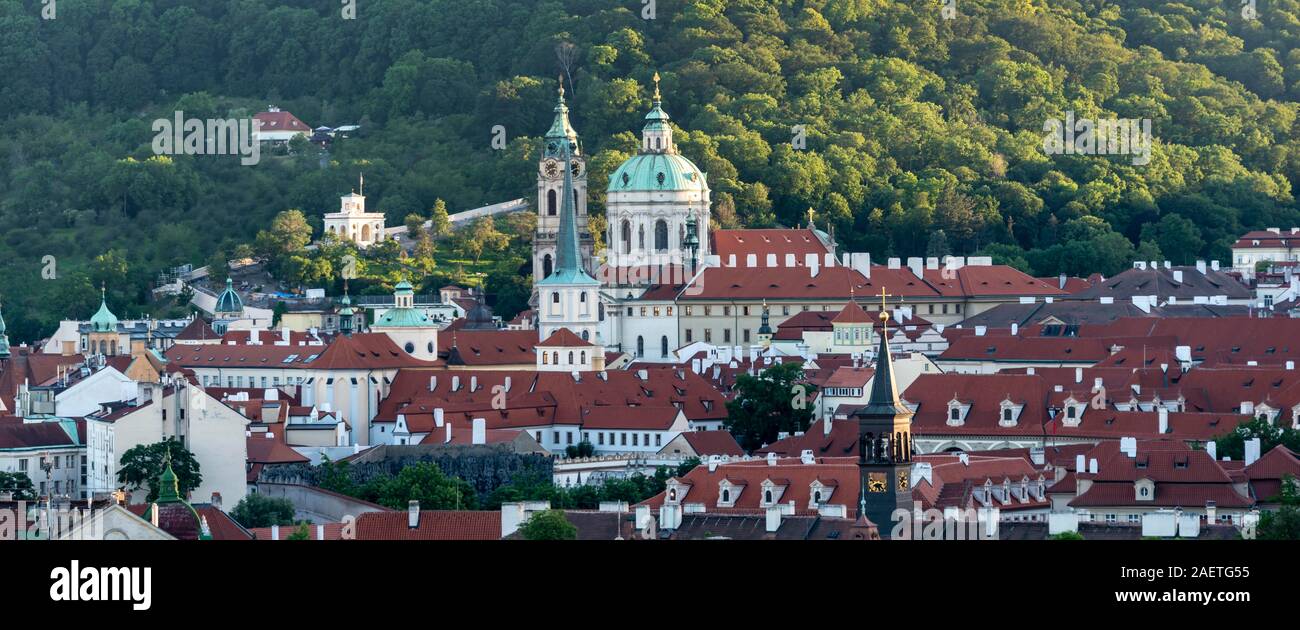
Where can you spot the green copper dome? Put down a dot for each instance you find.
(228, 301)
(403, 318)
(657, 172)
(103, 320)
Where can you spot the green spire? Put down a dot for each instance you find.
(347, 312)
(103, 320)
(568, 263)
(170, 485)
(561, 129)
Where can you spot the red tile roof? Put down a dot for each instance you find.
(564, 337)
(197, 330)
(35, 435)
(852, 314)
(490, 347)
(719, 442)
(280, 121)
(358, 352)
(434, 525)
(762, 242)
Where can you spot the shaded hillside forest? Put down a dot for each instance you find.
(924, 135)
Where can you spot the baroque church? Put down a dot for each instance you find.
(657, 207)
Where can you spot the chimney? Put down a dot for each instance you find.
(1038, 456)
(1015, 329)
(1212, 449)
(1214, 265)
(252, 337)
(413, 514)
(433, 383)
(275, 532)
(512, 516)
(448, 440)
(438, 416)
(480, 430)
(473, 383)
(806, 457)
(1079, 464)
(771, 459)
(1060, 282)
(1163, 414)
(917, 265)
(1178, 276)
(964, 458)
(773, 518)
(1078, 375)
(455, 383)
(1252, 451)
(216, 500)
(1200, 267)
(1092, 466)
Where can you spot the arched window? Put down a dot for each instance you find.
(430, 347)
(663, 346)
(640, 346)
(555, 357)
(583, 358)
(570, 357)
(584, 335)
(550, 202)
(548, 265)
(767, 496)
(726, 496)
(546, 359)
(555, 297)
(582, 297)
(626, 236)
(661, 235)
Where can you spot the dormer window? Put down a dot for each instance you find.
(957, 413)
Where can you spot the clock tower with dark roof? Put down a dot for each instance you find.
(884, 444)
(550, 184)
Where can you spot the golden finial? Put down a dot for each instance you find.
(561, 88)
(656, 79)
(810, 216)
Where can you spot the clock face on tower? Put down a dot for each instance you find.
(576, 168)
(551, 168)
(876, 482)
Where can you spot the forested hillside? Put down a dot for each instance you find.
(914, 123)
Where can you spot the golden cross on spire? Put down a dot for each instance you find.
(810, 216)
(884, 314)
(656, 79)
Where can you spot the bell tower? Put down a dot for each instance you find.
(884, 442)
(550, 191)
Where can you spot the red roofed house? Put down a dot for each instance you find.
(1272, 245)
(279, 127)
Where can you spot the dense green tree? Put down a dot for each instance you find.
(256, 510)
(548, 525)
(774, 401)
(142, 465)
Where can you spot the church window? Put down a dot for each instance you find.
(661, 235)
(640, 346)
(584, 338)
(767, 496)
(582, 297)
(726, 496)
(546, 359)
(550, 202)
(548, 266)
(661, 175)
(640, 237)
(626, 236)
(663, 346)
(570, 357)
(555, 297)
(410, 347)
(583, 356)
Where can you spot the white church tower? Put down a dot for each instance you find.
(353, 223)
(569, 297)
(550, 184)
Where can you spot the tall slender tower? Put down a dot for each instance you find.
(568, 298)
(884, 443)
(550, 196)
